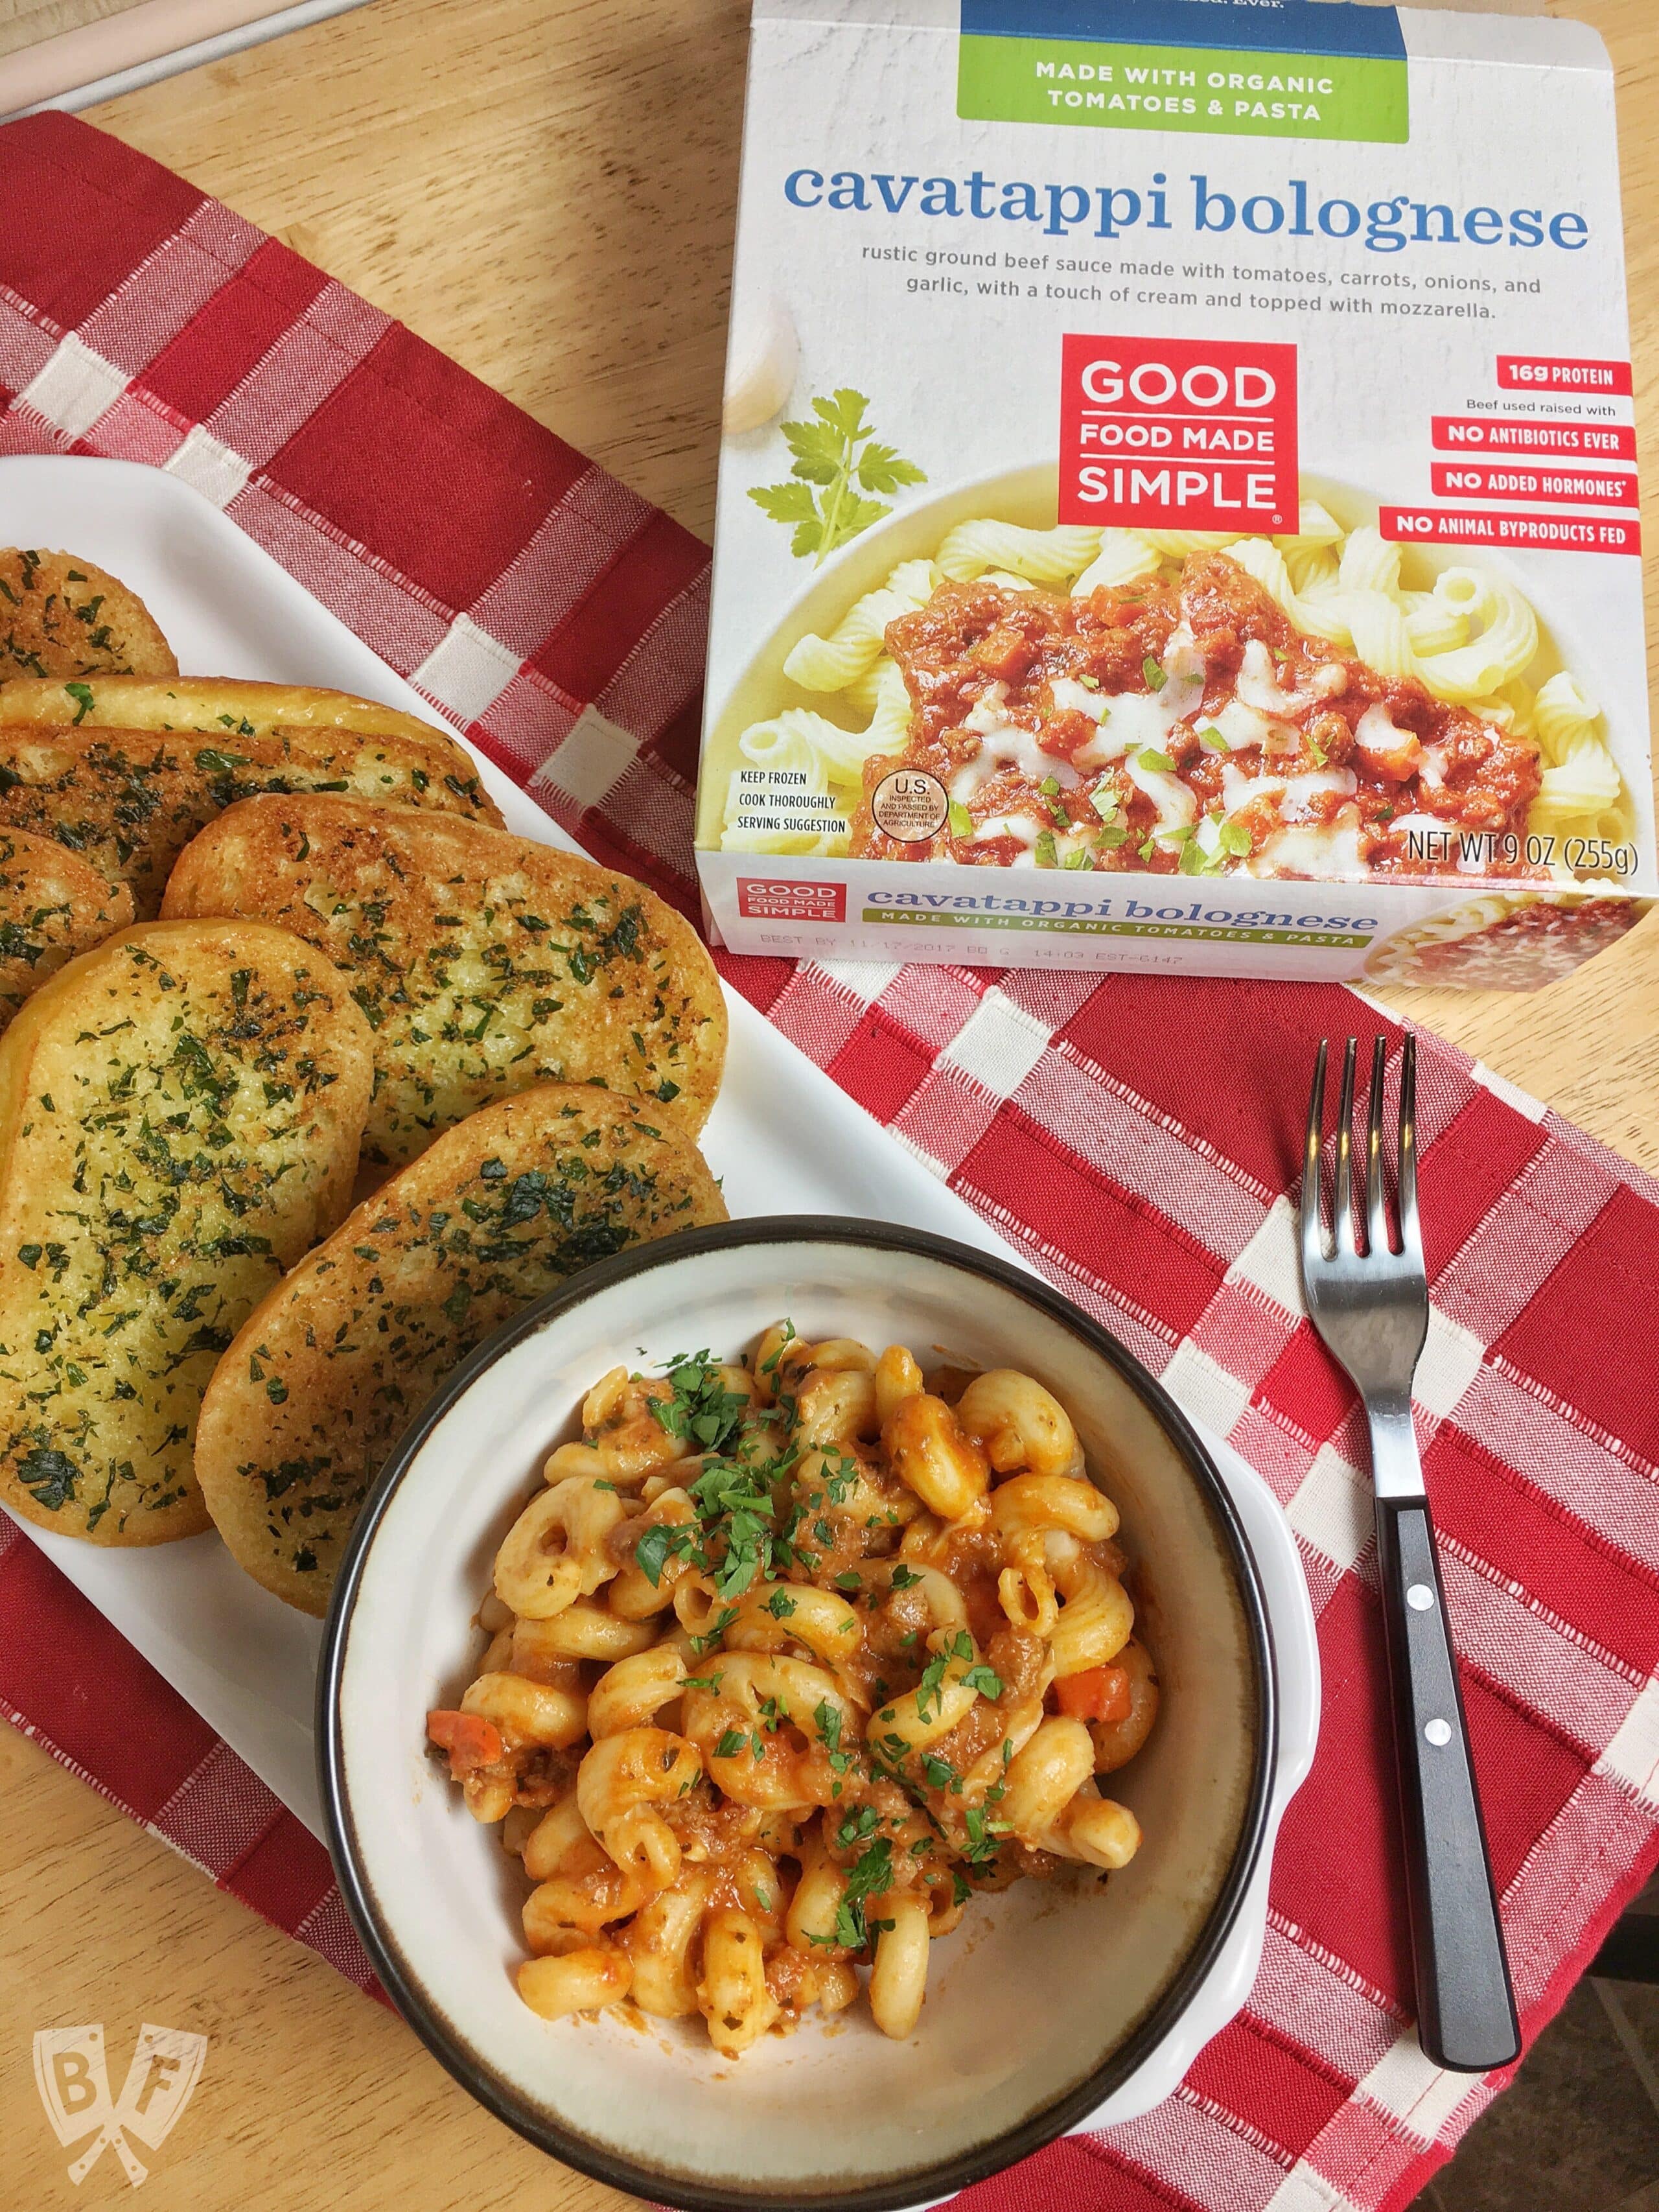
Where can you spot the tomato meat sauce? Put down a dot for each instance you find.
(1532, 945)
(1186, 728)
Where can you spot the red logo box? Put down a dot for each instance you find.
(1178, 434)
(772, 898)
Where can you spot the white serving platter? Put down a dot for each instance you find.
(783, 1138)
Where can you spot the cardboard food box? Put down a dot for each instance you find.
(1178, 505)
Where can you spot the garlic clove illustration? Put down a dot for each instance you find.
(761, 362)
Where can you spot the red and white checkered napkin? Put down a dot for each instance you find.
(1135, 1136)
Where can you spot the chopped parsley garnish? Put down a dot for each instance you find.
(962, 822)
(716, 1629)
(871, 1873)
(700, 1409)
(651, 1552)
(982, 1835)
(1158, 762)
(1232, 841)
(1153, 671)
(734, 1537)
(737, 1511)
(841, 1476)
(769, 1365)
(931, 1688)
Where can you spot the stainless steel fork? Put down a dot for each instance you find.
(1370, 1304)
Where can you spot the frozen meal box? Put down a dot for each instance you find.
(1178, 505)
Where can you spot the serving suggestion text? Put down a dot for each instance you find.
(1387, 226)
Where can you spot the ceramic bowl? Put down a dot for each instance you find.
(1045, 2003)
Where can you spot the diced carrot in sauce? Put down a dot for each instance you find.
(1006, 651)
(1099, 1693)
(471, 1741)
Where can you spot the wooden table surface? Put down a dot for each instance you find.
(429, 153)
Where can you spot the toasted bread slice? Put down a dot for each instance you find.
(63, 617)
(325, 1375)
(129, 801)
(228, 707)
(52, 905)
(179, 1113)
(485, 963)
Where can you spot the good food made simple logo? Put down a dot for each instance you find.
(1245, 69)
(73, 2080)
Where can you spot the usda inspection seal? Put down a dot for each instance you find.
(910, 806)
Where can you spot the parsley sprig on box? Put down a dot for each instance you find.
(838, 459)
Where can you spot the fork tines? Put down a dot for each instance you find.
(1346, 1192)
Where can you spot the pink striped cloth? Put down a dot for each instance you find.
(1136, 1136)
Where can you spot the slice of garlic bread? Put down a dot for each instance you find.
(179, 1113)
(322, 1381)
(485, 963)
(61, 615)
(53, 904)
(129, 801)
(229, 706)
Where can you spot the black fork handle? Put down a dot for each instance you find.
(1465, 2003)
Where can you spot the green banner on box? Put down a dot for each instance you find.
(1094, 925)
(1214, 91)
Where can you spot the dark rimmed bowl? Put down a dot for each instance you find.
(1047, 2001)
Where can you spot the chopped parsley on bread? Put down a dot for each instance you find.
(233, 705)
(326, 1374)
(61, 615)
(53, 904)
(129, 801)
(484, 962)
(179, 1113)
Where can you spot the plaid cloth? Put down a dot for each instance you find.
(1135, 1136)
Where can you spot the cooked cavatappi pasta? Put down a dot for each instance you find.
(787, 1660)
(1179, 701)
